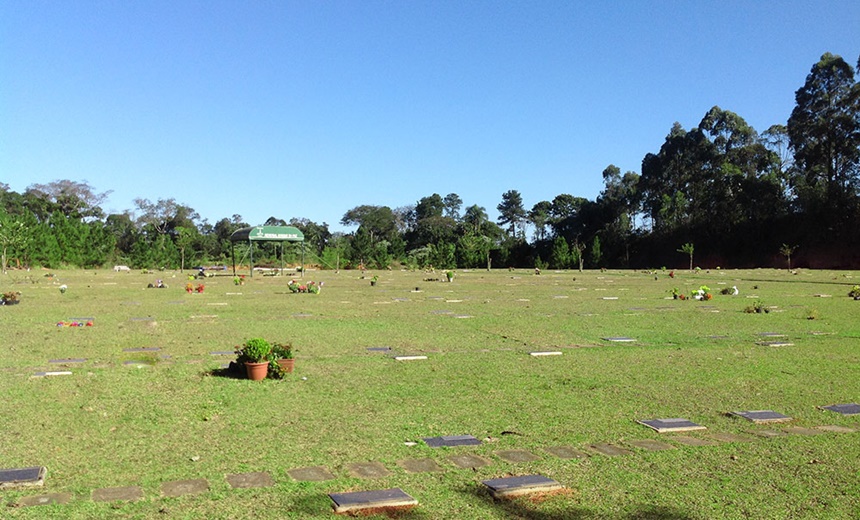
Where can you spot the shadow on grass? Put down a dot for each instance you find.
(554, 507)
(311, 505)
(233, 371)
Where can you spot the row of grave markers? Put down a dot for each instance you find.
(396, 497)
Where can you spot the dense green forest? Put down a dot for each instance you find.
(719, 194)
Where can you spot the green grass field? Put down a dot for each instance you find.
(166, 417)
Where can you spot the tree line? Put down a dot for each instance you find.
(742, 197)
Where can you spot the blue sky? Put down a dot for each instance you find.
(307, 109)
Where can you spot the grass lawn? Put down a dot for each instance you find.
(145, 418)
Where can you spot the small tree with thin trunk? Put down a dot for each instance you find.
(13, 235)
(688, 249)
(576, 251)
(786, 251)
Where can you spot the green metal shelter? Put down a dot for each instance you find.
(266, 234)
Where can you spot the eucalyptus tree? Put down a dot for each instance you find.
(824, 131)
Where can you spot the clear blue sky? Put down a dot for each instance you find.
(307, 109)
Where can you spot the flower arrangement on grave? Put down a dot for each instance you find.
(189, 287)
(449, 275)
(75, 323)
(239, 279)
(731, 291)
(702, 293)
(756, 308)
(293, 286)
(314, 288)
(10, 298)
(254, 354)
(281, 361)
(855, 292)
(676, 293)
(199, 288)
(374, 280)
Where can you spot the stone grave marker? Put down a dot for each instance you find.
(142, 349)
(650, 445)
(45, 500)
(769, 434)
(565, 452)
(250, 480)
(23, 477)
(799, 430)
(610, 450)
(51, 374)
(844, 409)
(516, 486)
(545, 353)
(467, 461)
(379, 349)
(117, 493)
(771, 335)
(383, 498)
(619, 339)
(425, 465)
(310, 474)
(178, 488)
(693, 441)
(367, 470)
(68, 361)
(836, 429)
(731, 437)
(762, 416)
(451, 440)
(517, 456)
(775, 343)
(409, 358)
(671, 425)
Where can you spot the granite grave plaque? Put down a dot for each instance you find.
(836, 429)
(671, 425)
(358, 500)
(799, 430)
(762, 416)
(451, 440)
(23, 477)
(45, 500)
(844, 409)
(515, 486)
(651, 445)
(619, 339)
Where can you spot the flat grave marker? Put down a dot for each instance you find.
(52, 374)
(769, 434)
(468, 461)
(115, 494)
(310, 474)
(425, 465)
(409, 358)
(545, 353)
(771, 335)
(610, 450)
(67, 361)
(368, 470)
(844, 409)
(731, 437)
(257, 479)
(619, 339)
(775, 343)
(142, 349)
(23, 477)
(45, 500)
(379, 349)
(836, 429)
(566, 452)
(451, 440)
(693, 441)
(762, 416)
(383, 498)
(516, 486)
(671, 425)
(517, 456)
(178, 488)
(650, 445)
(800, 430)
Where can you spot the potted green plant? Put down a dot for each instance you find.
(450, 275)
(281, 360)
(255, 354)
(374, 280)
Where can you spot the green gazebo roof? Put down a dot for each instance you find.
(273, 233)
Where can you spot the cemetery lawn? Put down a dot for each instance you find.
(149, 417)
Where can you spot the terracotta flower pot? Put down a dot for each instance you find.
(257, 371)
(287, 364)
